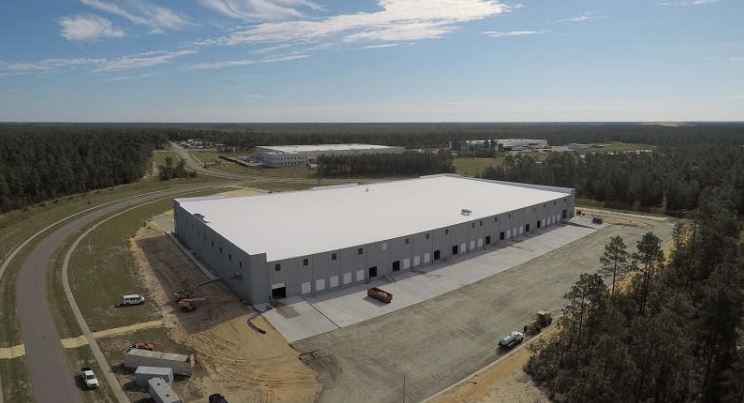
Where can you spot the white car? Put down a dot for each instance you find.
(132, 299)
(89, 378)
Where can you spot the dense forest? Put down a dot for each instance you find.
(669, 332)
(405, 164)
(43, 161)
(40, 164)
(672, 177)
(418, 135)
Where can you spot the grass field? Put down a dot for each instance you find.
(18, 225)
(159, 157)
(102, 269)
(474, 166)
(83, 357)
(16, 387)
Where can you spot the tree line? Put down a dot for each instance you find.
(668, 332)
(671, 177)
(439, 135)
(41, 163)
(408, 163)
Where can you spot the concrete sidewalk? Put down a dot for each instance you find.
(299, 318)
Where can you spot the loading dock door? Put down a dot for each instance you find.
(455, 249)
(437, 255)
(372, 272)
(396, 265)
(278, 291)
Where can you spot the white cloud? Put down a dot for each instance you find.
(384, 45)
(397, 20)
(687, 3)
(128, 62)
(260, 9)
(88, 28)
(141, 60)
(156, 18)
(583, 17)
(736, 59)
(501, 34)
(245, 62)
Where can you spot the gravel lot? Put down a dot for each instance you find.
(436, 343)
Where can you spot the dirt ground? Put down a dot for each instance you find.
(505, 381)
(231, 357)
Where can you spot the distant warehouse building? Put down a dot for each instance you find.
(309, 242)
(277, 156)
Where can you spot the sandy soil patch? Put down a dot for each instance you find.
(504, 381)
(231, 357)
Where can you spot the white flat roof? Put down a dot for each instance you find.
(293, 224)
(324, 147)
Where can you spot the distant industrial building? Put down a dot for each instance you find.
(278, 156)
(480, 146)
(522, 144)
(305, 243)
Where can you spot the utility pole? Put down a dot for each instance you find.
(404, 388)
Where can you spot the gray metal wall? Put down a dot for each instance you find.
(252, 277)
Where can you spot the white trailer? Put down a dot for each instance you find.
(181, 364)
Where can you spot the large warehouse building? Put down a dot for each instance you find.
(304, 243)
(278, 156)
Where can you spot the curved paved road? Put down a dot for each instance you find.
(52, 378)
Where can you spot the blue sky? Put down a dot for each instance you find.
(369, 61)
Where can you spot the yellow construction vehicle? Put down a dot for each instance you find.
(542, 320)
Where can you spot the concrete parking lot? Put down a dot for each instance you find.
(298, 318)
(437, 342)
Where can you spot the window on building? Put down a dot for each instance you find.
(428, 236)
(480, 223)
(305, 262)
(408, 241)
(240, 264)
(360, 251)
(213, 243)
(446, 232)
(333, 256)
(277, 267)
(220, 250)
(229, 257)
(472, 225)
(495, 219)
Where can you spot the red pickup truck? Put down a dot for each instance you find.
(380, 295)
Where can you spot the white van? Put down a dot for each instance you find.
(132, 299)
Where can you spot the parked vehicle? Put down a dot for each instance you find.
(511, 340)
(597, 220)
(89, 378)
(380, 295)
(132, 299)
(143, 345)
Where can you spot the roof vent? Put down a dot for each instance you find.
(466, 211)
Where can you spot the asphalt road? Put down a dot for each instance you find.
(52, 378)
(438, 342)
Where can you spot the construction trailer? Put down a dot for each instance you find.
(281, 245)
(181, 364)
(162, 392)
(145, 373)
